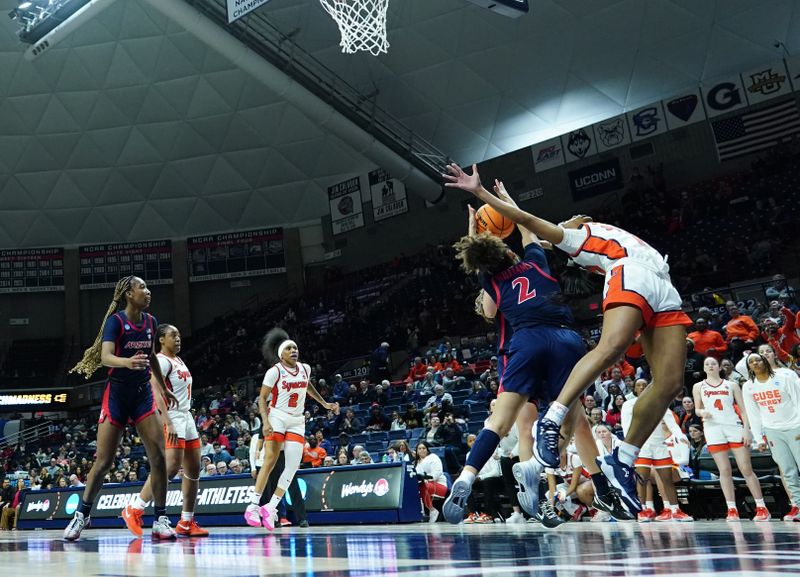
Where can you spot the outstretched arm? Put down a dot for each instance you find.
(457, 178)
(527, 236)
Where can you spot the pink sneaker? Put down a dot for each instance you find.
(253, 515)
(268, 517)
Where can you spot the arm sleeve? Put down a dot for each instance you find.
(111, 329)
(753, 413)
(573, 239)
(535, 253)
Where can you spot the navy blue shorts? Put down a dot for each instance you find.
(124, 404)
(539, 361)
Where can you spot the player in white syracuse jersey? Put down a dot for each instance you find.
(281, 404)
(721, 405)
(182, 439)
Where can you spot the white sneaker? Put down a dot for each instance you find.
(601, 517)
(515, 519)
(78, 524)
(434, 516)
(528, 474)
(162, 529)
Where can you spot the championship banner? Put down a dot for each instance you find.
(25, 401)
(236, 254)
(647, 121)
(724, 96)
(548, 154)
(579, 144)
(684, 109)
(612, 133)
(331, 494)
(103, 265)
(31, 270)
(347, 212)
(595, 179)
(766, 82)
(238, 8)
(388, 195)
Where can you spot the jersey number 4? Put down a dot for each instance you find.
(523, 284)
(718, 405)
(293, 400)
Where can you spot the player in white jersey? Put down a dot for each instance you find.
(719, 402)
(182, 439)
(638, 296)
(772, 402)
(281, 404)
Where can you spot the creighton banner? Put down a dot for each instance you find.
(388, 195)
(238, 8)
(347, 213)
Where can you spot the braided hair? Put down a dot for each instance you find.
(91, 360)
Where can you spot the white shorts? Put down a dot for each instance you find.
(654, 455)
(184, 426)
(649, 291)
(286, 427)
(721, 437)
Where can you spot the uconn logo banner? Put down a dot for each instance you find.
(595, 179)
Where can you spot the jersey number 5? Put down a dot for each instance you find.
(293, 400)
(524, 293)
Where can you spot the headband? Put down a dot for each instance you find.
(285, 344)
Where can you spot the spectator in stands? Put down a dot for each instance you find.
(428, 384)
(697, 441)
(381, 397)
(237, 467)
(687, 415)
(693, 367)
(357, 450)
(344, 445)
(418, 371)
(391, 456)
(605, 439)
(706, 341)
(350, 424)
(10, 508)
(324, 443)
(614, 414)
(342, 458)
(404, 452)
(329, 461)
(397, 424)
(434, 403)
(782, 338)
(412, 417)
(741, 330)
(74, 481)
(410, 394)
(379, 365)
(221, 454)
(340, 389)
(589, 403)
(602, 388)
(242, 449)
(479, 395)
(432, 482)
(313, 454)
(429, 436)
(780, 289)
(206, 448)
(450, 381)
(222, 468)
(366, 394)
(595, 417)
(210, 470)
(364, 458)
(728, 371)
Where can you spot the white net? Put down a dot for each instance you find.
(362, 24)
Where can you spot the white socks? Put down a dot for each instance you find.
(628, 453)
(557, 412)
(273, 503)
(732, 504)
(138, 503)
(467, 476)
(650, 505)
(187, 516)
(255, 499)
(759, 503)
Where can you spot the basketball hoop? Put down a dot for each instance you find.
(362, 24)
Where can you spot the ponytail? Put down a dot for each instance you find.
(91, 360)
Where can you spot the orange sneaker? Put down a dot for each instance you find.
(665, 515)
(190, 529)
(762, 514)
(133, 520)
(733, 515)
(793, 514)
(646, 515)
(682, 517)
(471, 519)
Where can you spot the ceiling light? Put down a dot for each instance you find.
(25, 5)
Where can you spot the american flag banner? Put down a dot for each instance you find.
(763, 128)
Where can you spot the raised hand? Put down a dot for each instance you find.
(457, 178)
(472, 225)
(502, 193)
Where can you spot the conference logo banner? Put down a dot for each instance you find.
(347, 212)
(612, 133)
(239, 8)
(548, 154)
(647, 121)
(32, 270)
(236, 254)
(579, 144)
(102, 265)
(724, 96)
(766, 82)
(596, 179)
(388, 195)
(684, 109)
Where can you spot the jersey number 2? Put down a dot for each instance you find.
(293, 400)
(524, 293)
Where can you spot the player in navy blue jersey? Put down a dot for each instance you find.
(125, 346)
(540, 353)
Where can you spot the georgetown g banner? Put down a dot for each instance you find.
(595, 179)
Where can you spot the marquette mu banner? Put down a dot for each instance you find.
(32, 270)
(236, 254)
(347, 212)
(388, 195)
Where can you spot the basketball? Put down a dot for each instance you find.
(488, 219)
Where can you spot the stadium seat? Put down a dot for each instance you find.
(397, 435)
(382, 436)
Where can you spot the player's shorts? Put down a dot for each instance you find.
(124, 403)
(654, 455)
(183, 423)
(286, 427)
(539, 361)
(650, 291)
(721, 437)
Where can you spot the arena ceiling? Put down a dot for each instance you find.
(134, 129)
